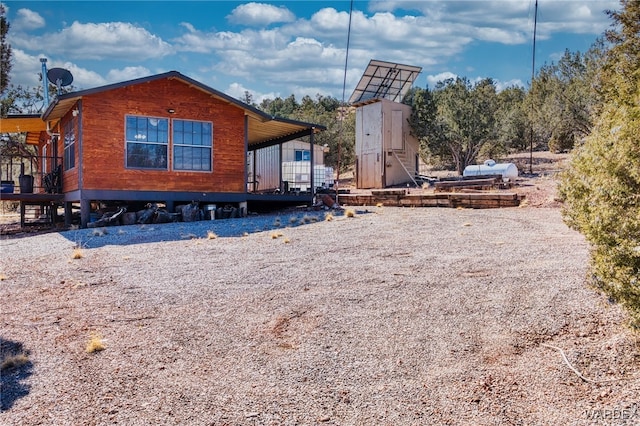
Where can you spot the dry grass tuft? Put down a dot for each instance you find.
(77, 253)
(245, 234)
(14, 361)
(79, 284)
(466, 224)
(350, 213)
(95, 344)
(211, 235)
(328, 217)
(286, 240)
(3, 277)
(293, 219)
(379, 205)
(276, 235)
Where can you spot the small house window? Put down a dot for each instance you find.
(147, 142)
(192, 145)
(70, 144)
(303, 155)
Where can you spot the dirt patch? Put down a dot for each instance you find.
(392, 317)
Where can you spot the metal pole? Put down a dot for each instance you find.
(44, 82)
(533, 73)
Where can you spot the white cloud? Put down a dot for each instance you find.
(127, 73)
(273, 48)
(237, 90)
(247, 40)
(27, 69)
(82, 77)
(27, 20)
(313, 51)
(111, 40)
(510, 19)
(432, 80)
(501, 85)
(259, 14)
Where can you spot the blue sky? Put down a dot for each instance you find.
(279, 48)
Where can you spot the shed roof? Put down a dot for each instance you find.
(263, 129)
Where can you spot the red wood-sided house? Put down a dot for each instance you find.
(165, 138)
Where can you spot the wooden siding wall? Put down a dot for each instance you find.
(103, 138)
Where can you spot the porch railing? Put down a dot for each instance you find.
(33, 174)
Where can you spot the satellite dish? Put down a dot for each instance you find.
(60, 76)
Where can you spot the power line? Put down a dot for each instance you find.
(342, 104)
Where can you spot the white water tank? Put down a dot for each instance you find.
(490, 167)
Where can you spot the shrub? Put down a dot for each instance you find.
(601, 187)
(601, 192)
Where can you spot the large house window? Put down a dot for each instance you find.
(70, 144)
(147, 142)
(192, 143)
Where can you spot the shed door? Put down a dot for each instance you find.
(369, 171)
(369, 133)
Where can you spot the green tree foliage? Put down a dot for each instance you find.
(601, 188)
(279, 107)
(339, 136)
(247, 98)
(5, 51)
(562, 99)
(423, 122)
(5, 59)
(456, 119)
(23, 100)
(511, 121)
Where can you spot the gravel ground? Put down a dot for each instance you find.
(391, 317)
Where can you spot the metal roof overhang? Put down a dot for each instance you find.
(275, 131)
(22, 124)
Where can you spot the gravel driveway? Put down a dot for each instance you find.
(391, 317)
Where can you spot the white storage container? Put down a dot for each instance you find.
(490, 167)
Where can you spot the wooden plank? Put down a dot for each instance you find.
(388, 192)
(440, 199)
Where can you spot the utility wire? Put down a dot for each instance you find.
(342, 104)
(533, 74)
